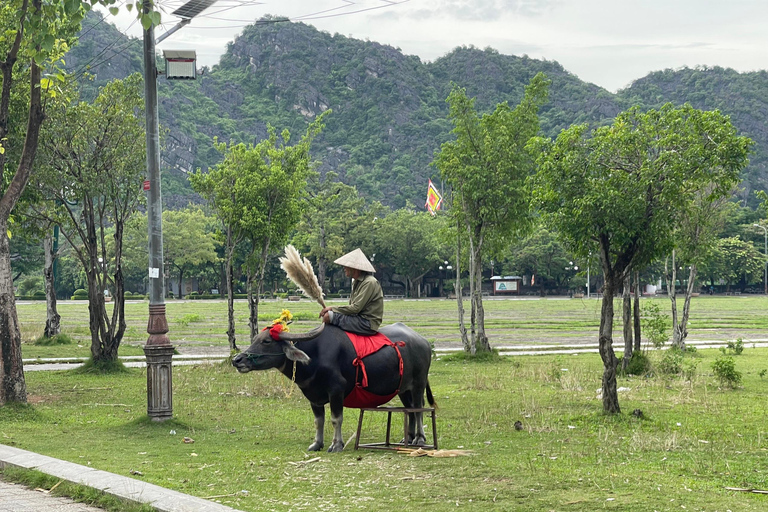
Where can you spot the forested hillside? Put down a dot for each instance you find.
(389, 110)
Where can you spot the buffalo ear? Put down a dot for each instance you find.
(294, 354)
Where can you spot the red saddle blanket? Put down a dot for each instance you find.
(360, 397)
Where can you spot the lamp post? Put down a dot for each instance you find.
(765, 263)
(158, 349)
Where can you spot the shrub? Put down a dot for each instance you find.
(59, 339)
(671, 362)
(30, 285)
(38, 296)
(725, 371)
(639, 364)
(735, 347)
(655, 324)
(127, 294)
(189, 317)
(80, 294)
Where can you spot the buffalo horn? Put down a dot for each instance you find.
(304, 336)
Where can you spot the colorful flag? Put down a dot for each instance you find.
(434, 199)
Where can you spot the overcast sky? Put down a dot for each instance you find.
(606, 42)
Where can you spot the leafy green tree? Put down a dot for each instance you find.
(620, 190)
(695, 236)
(34, 35)
(92, 164)
(487, 167)
(257, 192)
(332, 213)
(542, 255)
(409, 243)
(218, 187)
(736, 261)
(188, 244)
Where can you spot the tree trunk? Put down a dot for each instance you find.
(253, 305)
(626, 297)
(671, 290)
(481, 341)
(52, 317)
(680, 330)
(13, 388)
(612, 280)
(460, 299)
(181, 282)
(637, 311)
(230, 299)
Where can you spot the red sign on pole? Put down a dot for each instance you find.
(146, 185)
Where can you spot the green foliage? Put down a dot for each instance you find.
(58, 339)
(485, 357)
(655, 324)
(724, 368)
(80, 294)
(733, 347)
(189, 317)
(101, 367)
(639, 364)
(30, 285)
(671, 362)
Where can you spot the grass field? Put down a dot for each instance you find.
(694, 441)
(201, 325)
(250, 435)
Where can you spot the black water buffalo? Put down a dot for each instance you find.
(325, 373)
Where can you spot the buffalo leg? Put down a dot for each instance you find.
(337, 416)
(415, 399)
(319, 412)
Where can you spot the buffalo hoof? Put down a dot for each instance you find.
(315, 447)
(418, 441)
(336, 446)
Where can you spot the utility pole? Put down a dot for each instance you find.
(158, 350)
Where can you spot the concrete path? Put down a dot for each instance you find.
(163, 500)
(17, 498)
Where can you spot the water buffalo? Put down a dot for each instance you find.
(325, 372)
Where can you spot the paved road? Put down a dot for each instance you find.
(17, 498)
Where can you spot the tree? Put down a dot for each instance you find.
(620, 190)
(272, 185)
(735, 261)
(487, 167)
(695, 237)
(256, 192)
(409, 243)
(187, 242)
(33, 36)
(332, 212)
(92, 164)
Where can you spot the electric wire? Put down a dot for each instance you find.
(168, 5)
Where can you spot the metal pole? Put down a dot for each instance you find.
(158, 349)
(589, 263)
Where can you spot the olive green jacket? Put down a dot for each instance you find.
(366, 300)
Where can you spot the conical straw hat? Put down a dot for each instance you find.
(356, 259)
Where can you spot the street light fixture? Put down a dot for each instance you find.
(765, 263)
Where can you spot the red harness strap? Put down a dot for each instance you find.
(365, 346)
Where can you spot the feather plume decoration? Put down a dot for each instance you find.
(300, 271)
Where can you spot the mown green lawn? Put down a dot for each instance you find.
(528, 321)
(250, 435)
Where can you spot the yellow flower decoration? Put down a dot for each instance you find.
(285, 318)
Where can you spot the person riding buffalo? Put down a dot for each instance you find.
(365, 310)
